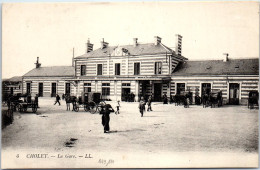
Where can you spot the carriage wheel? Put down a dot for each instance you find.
(86, 107)
(25, 109)
(99, 107)
(20, 108)
(92, 107)
(76, 108)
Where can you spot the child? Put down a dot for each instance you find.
(149, 103)
(142, 106)
(117, 107)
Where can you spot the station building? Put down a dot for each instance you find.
(143, 70)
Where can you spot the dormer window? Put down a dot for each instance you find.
(158, 68)
(99, 69)
(83, 70)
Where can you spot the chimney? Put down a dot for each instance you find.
(178, 44)
(38, 65)
(89, 47)
(103, 44)
(157, 40)
(135, 41)
(73, 58)
(225, 59)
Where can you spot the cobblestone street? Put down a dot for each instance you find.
(168, 133)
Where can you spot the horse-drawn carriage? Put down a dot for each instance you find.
(184, 98)
(212, 99)
(253, 97)
(25, 101)
(91, 102)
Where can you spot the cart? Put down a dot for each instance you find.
(91, 102)
(26, 103)
(215, 99)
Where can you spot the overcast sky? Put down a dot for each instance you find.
(51, 30)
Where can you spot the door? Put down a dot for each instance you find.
(157, 92)
(125, 94)
(67, 88)
(53, 89)
(234, 93)
(40, 90)
(12, 90)
(28, 88)
(205, 88)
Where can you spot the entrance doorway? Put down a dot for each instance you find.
(157, 92)
(53, 89)
(125, 95)
(234, 93)
(40, 90)
(67, 88)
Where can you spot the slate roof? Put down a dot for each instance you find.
(140, 49)
(218, 67)
(54, 71)
(14, 79)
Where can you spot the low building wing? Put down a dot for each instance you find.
(218, 67)
(54, 71)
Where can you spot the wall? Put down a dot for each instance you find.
(126, 63)
(60, 86)
(247, 83)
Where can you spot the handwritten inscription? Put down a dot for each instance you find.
(106, 162)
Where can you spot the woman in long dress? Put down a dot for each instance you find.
(105, 116)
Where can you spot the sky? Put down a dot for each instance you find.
(50, 31)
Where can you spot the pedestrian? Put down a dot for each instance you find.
(36, 101)
(149, 103)
(63, 96)
(165, 100)
(73, 101)
(117, 107)
(29, 98)
(171, 99)
(68, 101)
(105, 111)
(142, 106)
(57, 99)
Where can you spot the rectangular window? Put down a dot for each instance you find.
(105, 89)
(180, 88)
(205, 88)
(83, 70)
(117, 69)
(125, 84)
(28, 88)
(87, 87)
(136, 68)
(105, 84)
(67, 88)
(99, 69)
(158, 68)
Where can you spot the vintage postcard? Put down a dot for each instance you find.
(130, 85)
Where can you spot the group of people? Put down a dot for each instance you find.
(129, 97)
